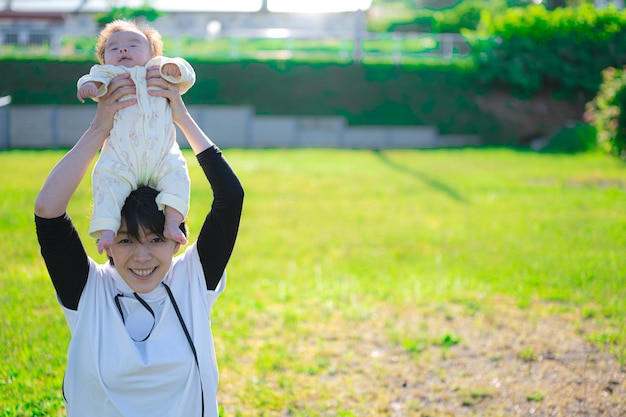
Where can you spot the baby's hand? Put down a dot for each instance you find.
(87, 90)
(172, 70)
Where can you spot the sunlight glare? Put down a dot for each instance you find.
(208, 5)
(292, 6)
(317, 6)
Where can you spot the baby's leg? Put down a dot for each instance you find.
(173, 219)
(106, 240)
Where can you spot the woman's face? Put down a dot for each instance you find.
(142, 263)
(127, 48)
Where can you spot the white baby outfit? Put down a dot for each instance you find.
(142, 147)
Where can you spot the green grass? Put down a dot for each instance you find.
(328, 239)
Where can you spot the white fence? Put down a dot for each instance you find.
(47, 40)
(228, 126)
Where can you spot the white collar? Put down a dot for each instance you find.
(122, 287)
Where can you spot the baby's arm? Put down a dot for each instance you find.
(88, 90)
(185, 75)
(99, 76)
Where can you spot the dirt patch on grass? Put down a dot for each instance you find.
(446, 361)
(506, 362)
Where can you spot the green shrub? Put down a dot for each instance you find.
(573, 139)
(80, 45)
(564, 50)
(465, 15)
(146, 12)
(606, 112)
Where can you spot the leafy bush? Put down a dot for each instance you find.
(563, 50)
(465, 15)
(146, 12)
(607, 112)
(80, 45)
(572, 139)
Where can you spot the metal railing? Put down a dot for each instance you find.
(396, 46)
(281, 44)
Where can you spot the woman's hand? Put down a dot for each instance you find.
(111, 102)
(168, 91)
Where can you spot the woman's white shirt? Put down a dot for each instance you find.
(110, 374)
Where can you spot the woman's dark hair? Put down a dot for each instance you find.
(141, 211)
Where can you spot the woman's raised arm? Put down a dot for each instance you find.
(197, 139)
(61, 183)
(219, 231)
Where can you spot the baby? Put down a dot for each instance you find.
(142, 147)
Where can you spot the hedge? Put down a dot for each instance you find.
(439, 95)
(564, 50)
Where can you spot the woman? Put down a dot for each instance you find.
(141, 337)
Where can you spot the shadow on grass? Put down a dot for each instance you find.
(431, 182)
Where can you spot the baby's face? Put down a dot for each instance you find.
(128, 49)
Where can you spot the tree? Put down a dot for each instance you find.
(550, 4)
(146, 12)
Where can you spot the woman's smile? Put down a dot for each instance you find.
(143, 273)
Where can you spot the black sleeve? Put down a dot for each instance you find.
(65, 257)
(216, 239)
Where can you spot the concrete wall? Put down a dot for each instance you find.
(227, 126)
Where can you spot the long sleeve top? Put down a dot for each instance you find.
(172, 370)
(67, 260)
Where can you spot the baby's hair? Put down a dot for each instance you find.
(119, 25)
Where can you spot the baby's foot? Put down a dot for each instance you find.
(174, 233)
(106, 240)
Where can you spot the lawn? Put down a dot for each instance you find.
(375, 283)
